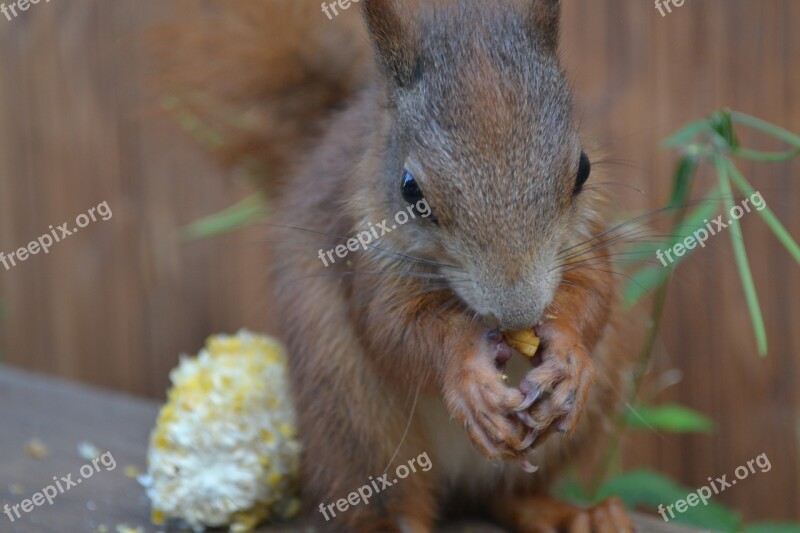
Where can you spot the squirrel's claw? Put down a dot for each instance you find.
(530, 397)
(556, 391)
(529, 439)
(526, 465)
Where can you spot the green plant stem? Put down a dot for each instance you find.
(737, 239)
(721, 143)
(766, 213)
(246, 212)
(766, 127)
(656, 314)
(766, 157)
(682, 187)
(682, 190)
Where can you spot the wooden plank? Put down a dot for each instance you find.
(63, 415)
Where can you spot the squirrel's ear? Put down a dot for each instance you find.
(544, 20)
(395, 39)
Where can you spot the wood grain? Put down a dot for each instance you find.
(61, 416)
(116, 303)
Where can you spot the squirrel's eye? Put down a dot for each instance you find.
(413, 195)
(411, 191)
(584, 169)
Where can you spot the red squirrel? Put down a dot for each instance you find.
(459, 106)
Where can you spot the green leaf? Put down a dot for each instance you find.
(687, 133)
(220, 111)
(643, 283)
(571, 490)
(764, 126)
(672, 418)
(247, 212)
(766, 213)
(682, 182)
(204, 134)
(748, 285)
(651, 277)
(645, 488)
(766, 157)
(771, 527)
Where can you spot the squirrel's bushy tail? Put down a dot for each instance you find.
(256, 79)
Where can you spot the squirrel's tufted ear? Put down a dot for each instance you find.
(544, 19)
(395, 39)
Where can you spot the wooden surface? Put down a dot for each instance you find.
(61, 416)
(115, 304)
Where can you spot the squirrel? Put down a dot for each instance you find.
(461, 107)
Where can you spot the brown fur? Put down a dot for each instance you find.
(266, 74)
(469, 96)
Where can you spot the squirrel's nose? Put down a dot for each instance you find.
(519, 324)
(516, 316)
(519, 307)
(513, 323)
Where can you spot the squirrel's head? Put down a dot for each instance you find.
(480, 126)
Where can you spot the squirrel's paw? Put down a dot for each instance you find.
(556, 390)
(609, 515)
(546, 516)
(480, 400)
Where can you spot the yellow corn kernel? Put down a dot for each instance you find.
(157, 517)
(525, 342)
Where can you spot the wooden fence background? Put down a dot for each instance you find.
(114, 304)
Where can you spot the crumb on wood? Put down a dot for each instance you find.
(88, 451)
(125, 528)
(37, 449)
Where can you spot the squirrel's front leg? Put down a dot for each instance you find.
(475, 393)
(455, 356)
(556, 390)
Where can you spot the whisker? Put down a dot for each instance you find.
(632, 235)
(646, 238)
(606, 259)
(408, 426)
(600, 185)
(639, 218)
(414, 275)
(627, 163)
(613, 272)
